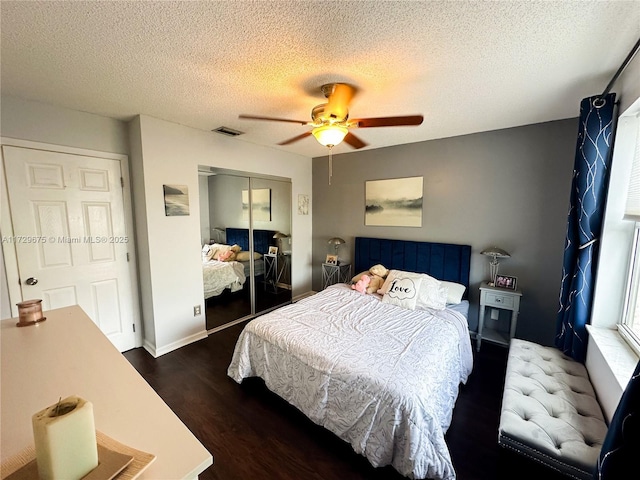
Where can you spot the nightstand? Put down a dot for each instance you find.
(332, 274)
(276, 267)
(500, 298)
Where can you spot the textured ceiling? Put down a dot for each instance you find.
(467, 66)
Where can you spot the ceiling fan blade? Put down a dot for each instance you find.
(354, 141)
(295, 139)
(339, 100)
(408, 120)
(273, 119)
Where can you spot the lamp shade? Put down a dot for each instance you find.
(495, 252)
(280, 235)
(329, 135)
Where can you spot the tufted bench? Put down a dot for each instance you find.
(549, 410)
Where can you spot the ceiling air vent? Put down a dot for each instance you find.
(229, 132)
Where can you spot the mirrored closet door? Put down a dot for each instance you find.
(246, 237)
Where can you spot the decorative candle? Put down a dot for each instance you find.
(65, 440)
(30, 312)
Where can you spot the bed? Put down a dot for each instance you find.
(381, 377)
(219, 276)
(262, 240)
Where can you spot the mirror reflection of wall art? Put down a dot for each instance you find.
(261, 201)
(393, 203)
(176, 200)
(303, 204)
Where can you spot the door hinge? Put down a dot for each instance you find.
(122, 182)
(134, 328)
(127, 256)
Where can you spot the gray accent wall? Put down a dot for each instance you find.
(508, 188)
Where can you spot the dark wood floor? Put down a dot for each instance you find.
(252, 433)
(229, 306)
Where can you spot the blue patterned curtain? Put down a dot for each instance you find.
(584, 225)
(619, 454)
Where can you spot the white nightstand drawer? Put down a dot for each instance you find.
(497, 300)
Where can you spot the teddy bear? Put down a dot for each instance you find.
(362, 284)
(376, 275)
(379, 270)
(227, 256)
(375, 284)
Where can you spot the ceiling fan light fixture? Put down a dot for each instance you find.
(329, 135)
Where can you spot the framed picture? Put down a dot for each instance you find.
(395, 202)
(504, 281)
(176, 200)
(331, 259)
(261, 204)
(273, 250)
(303, 204)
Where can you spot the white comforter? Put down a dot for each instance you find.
(217, 276)
(380, 377)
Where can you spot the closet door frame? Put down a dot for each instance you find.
(251, 177)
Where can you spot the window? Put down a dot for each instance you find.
(630, 326)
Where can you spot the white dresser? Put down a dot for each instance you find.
(67, 354)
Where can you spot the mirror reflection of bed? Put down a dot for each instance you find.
(238, 282)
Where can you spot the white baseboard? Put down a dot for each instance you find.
(149, 348)
(157, 352)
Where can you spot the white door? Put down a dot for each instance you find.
(70, 236)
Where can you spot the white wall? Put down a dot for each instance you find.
(617, 239)
(628, 85)
(224, 213)
(39, 122)
(203, 192)
(225, 207)
(170, 154)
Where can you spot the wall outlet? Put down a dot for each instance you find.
(197, 310)
(495, 314)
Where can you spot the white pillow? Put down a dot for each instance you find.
(403, 292)
(432, 293)
(456, 291)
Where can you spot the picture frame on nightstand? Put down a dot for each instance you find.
(505, 281)
(332, 259)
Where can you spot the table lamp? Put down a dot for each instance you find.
(336, 242)
(495, 253)
(279, 236)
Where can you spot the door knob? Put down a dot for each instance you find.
(31, 281)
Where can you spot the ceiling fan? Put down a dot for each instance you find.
(331, 123)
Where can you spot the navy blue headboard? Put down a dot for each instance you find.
(444, 261)
(262, 239)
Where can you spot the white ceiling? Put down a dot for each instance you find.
(467, 66)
